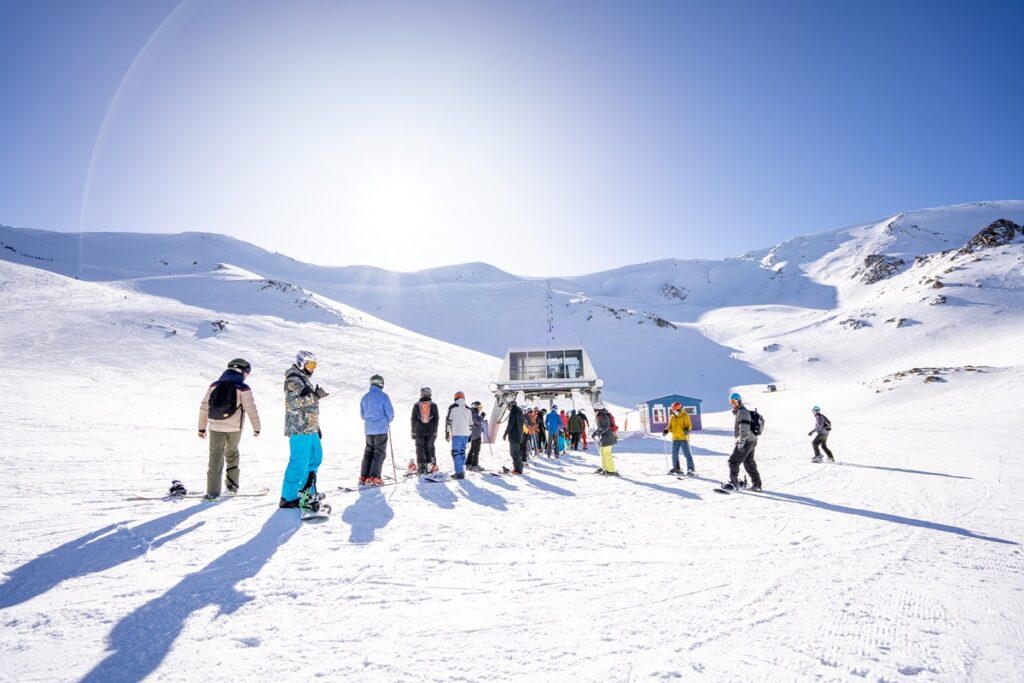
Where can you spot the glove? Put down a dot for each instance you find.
(256, 433)
(319, 434)
(413, 436)
(664, 432)
(810, 432)
(686, 431)
(447, 437)
(202, 433)
(320, 392)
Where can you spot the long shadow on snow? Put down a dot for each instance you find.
(437, 493)
(655, 445)
(499, 481)
(141, 640)
(883, 516)
(900, 469)
(682, 493)
(483, 496)
(369, 512)
(544, 486)
(548, 470)
(94, 552)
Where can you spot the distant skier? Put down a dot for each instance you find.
(532, 429)
(458, 428)
(425, 419)
(743, 453)
(679, 424)
(222, 411)
(514, 435)
(575, 429)
(302, 427)
(822, 428)
(475, 437)
(553, 424)
(585, 421)
(542, 431)
(377, 413)
(605, 434)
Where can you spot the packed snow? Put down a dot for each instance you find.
(900, 562)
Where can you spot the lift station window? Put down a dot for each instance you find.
(535, 365)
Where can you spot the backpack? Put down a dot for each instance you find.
(827, 424)
(611, 418)
(223, 401)
(756, 423)
(424, 412)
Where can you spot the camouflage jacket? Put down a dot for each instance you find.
(301, 405)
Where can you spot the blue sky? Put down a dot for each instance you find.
(545, 138)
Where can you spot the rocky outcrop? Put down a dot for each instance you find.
(997, 234)
(670, 291)
(878, 267)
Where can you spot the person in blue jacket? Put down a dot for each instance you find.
(377, 414)
(553, 424)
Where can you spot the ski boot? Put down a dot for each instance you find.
(691, 473)
(816, 458)
(211, 497)
(675, 470)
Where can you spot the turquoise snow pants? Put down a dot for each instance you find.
(306, 456)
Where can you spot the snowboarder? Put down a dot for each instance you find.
(458, 426)
(553, 424)
(679, 424)
(475, 437)
(605, 434)
(743, 453)
(222, 412)
(575, 429)
(822, 428)
(425, 419)
(302, 427)
(514, 434)
(377, 412)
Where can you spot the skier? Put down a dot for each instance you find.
(302, 427)
(542, 432)
(532, 417)
(425, 419)
(822, 428)
(514, 434)
(575, 429)
(377, 413)
(605, 434)
(458, 426)
(475, 436)
(553, 424)
(222, 411)
(585, 425)
(679, 424)
(743, 453)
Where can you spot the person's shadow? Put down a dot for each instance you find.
(141, 640)
(437, 493)
(545, 486)
(369, 512)
(481, 496)
(97, 551)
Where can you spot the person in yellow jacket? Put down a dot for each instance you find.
(680, 425)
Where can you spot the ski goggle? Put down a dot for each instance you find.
(309, 365)
(734, 402)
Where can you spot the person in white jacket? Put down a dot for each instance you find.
(457, 428)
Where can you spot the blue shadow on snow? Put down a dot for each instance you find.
(369, 512)
(437, 493)
(97, 551)
(900, 469)
(682, 493)
(883, 516)
(482, 496)
(141, 640)
(544, 486)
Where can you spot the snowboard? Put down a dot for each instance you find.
(323, 514)
(223, 497)
(720, 488)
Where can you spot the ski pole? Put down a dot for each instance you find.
(391, 447)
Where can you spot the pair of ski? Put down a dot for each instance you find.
(194, 495)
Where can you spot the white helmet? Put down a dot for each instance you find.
(302, 358)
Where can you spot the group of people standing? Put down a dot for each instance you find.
(529, 433)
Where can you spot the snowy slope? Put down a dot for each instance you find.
(902, 563)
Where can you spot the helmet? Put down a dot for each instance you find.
(815, 409)
(735, 397)
(675, 407)
(554, 407)
(459, 394)
(599, 406)
(304, 359)
(377, 381)
(475, 404)
(240, 364)
(425, 392)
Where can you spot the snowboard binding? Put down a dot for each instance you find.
(177, 489)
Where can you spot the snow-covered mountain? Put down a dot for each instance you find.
(887, 295)
(903, 562)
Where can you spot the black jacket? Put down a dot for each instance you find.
(421, 428)
(514, 430)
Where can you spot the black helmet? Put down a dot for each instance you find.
(240, 364)
(424, 392)
(377, 381)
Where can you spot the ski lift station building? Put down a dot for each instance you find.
(544, 374)
(655, 412)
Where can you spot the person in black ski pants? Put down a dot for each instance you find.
(743, 453)
(424, 431)
(475, 437)
(514, 435)
(822, 428)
